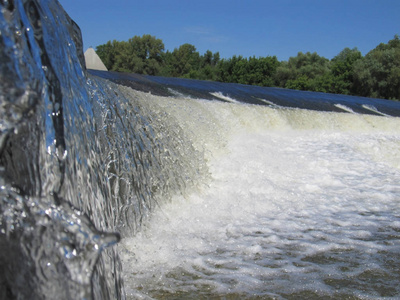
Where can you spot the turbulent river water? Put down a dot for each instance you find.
(120, 186)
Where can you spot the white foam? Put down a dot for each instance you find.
(220, 95)
(374, 109)
(176, 93)
(270, 103)
(345, 108)
(295, 201)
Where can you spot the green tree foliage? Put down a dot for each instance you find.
(107, 53)
(254, 71)
(342, 71)
(304, 72)
(375, 75)
(141, 55)
(186, 62)
(208, 64)
(378, 73)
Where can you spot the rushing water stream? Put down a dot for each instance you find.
(119, 186)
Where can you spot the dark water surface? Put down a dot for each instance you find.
(270, 96)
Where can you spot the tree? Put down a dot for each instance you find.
(148, 50)
(262, 70)
(303, 71)
(342, 71)
(375, 75)
(186, 61)
(254, 71)
(141, 55)
(107, 53)
(226, 69)
(125, 60)
(378, 73)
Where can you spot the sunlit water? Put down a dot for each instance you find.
(300, 204)
(217, 191)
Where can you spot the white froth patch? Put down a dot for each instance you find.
(224, 97)
(286, 211)
(374, 109)
(345, 108)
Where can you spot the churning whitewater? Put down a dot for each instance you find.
(299, 204)
(116, 186)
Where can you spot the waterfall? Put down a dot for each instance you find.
(116, 185)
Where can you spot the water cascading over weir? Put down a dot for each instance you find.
(80, 164)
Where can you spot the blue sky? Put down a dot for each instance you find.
(247, 28)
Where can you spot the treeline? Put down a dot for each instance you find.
(377, 74)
